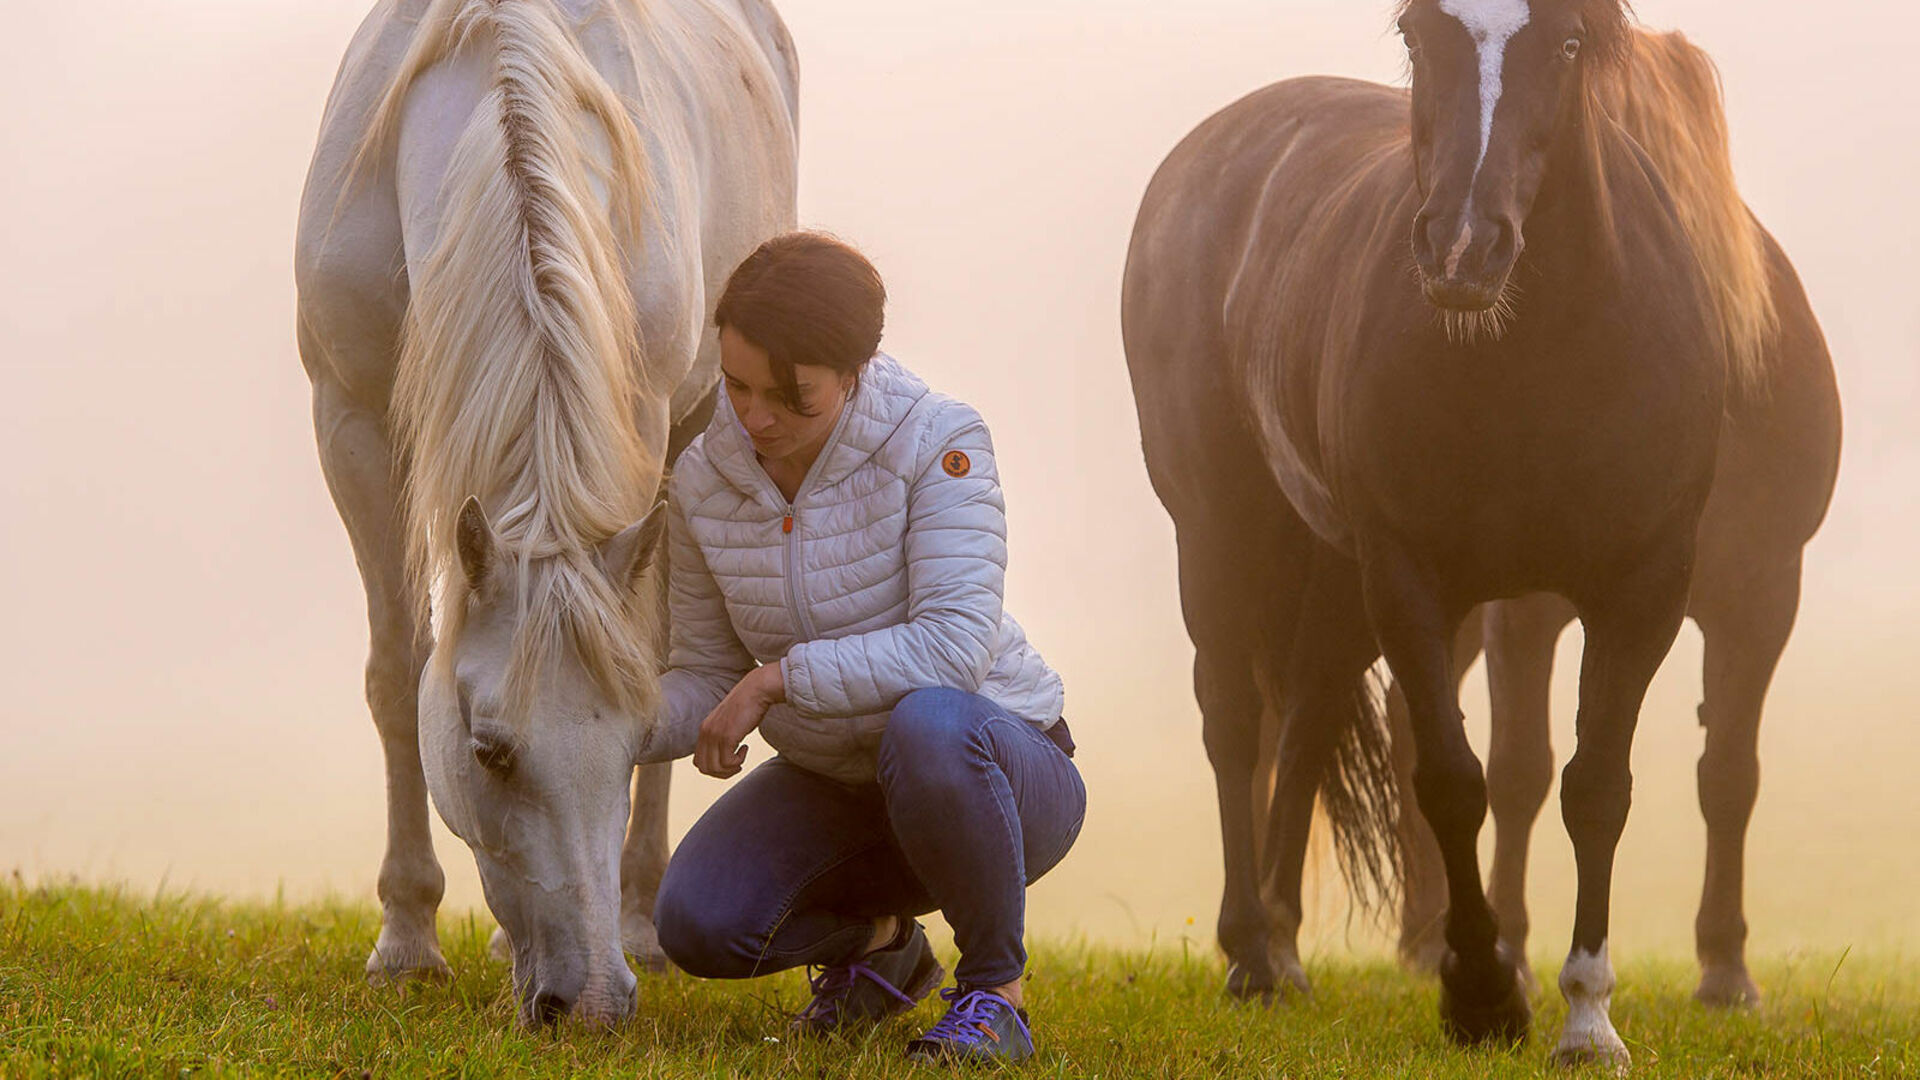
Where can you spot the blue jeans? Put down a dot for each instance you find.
(790, 868)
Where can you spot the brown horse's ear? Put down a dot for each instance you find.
(474, 537)
(626, 556)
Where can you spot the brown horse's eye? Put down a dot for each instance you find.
(1570, 49)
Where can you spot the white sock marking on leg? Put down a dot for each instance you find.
(1587, 983)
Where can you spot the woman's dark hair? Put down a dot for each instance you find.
(806, 298)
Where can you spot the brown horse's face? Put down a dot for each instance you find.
(1493, 85)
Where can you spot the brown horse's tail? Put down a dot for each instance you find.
(1362, 801)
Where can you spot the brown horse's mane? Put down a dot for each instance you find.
(1667, 97)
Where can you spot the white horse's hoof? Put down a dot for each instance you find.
(498, 947)
(641, 941)
(396, 962)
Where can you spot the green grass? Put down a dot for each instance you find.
(102, 982)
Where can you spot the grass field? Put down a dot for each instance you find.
(102, 982)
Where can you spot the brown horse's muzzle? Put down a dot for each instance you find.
(1465, 258)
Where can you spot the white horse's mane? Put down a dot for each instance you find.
(519, 365)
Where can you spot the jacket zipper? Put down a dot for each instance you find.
(802, 622)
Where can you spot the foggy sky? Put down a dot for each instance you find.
(184, 632)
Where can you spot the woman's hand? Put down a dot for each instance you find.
(718, 752)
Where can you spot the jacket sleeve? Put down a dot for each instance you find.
(705, 657)
(956, 559)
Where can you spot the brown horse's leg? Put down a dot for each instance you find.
(1520, 638)
(1423, 896)
(1230, 708)
(1423, 907)
(358, 460)
(1480, 996)
(1629, 628)
(1745, 628)
(1311, 685)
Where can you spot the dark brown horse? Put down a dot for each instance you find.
(1359, 443)
(1779, 456)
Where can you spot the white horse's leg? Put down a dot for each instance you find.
(643, 861)
(358, 460)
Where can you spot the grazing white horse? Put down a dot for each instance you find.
(516, 221)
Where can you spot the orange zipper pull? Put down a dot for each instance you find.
(787, 525)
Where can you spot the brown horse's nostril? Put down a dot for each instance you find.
(1507, 245)
(1424, 246)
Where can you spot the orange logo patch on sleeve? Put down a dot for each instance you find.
(957, 464)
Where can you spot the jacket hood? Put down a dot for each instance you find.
(886, 395)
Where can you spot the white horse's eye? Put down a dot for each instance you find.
(1570, 48)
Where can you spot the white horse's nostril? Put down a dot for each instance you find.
(549, 1007)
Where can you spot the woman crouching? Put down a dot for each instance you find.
(838, 557)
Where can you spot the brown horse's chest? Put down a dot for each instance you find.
(1526, 464)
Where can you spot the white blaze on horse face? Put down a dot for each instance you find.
(1587, 983)
(1492, 23)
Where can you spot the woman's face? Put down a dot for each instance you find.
(777, 431)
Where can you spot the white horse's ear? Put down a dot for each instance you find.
(474, 537)
(626, 556)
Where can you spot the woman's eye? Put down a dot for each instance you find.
(1570, 48)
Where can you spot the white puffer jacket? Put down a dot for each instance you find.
(885, 576)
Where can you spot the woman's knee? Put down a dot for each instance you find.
(934, 722)
(702, 930)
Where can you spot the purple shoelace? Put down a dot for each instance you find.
(832, 985)
(969, 1017)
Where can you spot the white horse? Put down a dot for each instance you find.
(516, 221)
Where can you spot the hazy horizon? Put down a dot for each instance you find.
(185, 634)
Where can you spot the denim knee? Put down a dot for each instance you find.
(702, 934)
(927, 726)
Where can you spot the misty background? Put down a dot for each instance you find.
(183, 629)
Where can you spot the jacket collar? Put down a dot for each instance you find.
(887, 393)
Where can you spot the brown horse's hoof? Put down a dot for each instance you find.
(1727, 987)
(1248, 983)
(1422, 955)
(1483, 1003)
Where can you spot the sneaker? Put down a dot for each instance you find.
(980, 1027)
(878, 985)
